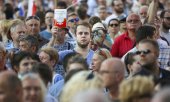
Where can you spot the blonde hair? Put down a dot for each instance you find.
(33, 76)
(135, 87)
(82, 81)
(5, 27)
(103, 53)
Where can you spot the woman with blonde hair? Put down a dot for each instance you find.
(4, 29)
(99, 56)
(136, 89)
(33, 88)
(81, 81)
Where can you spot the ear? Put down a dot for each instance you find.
(53, 62)
(33, 48)
(128, 66)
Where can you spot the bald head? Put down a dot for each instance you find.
(113, 64)
(133, 15)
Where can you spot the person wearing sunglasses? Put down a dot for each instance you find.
(72, 22)
(147, 55)
(113, 28)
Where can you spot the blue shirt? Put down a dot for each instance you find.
(45, 34)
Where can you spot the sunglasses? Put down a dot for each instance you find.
(145, 52)
(74, 20)
(32, 17)
(168, 18)
(114, 25)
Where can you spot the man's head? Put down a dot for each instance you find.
(28, 43)
(33, 25)
(49, 16)
(10, 87)
(17, 29)
(72, 20)
(165, 18)
(3, 55)
(112, 72)
(83, 34)
(145, 32)
(148, 52)
(102, 12)
(22, 62)
(118, 6)
(133, 22)
(143, 12)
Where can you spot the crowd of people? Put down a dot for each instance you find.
(109, 51)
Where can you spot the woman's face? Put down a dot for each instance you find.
(32, 90)
(134, 67)
(113, 27)
(96, 62)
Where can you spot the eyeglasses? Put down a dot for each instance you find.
(168, 18)
(144, 52)
(32, 17)
(114, 25)
(133, 21)
(74, 20)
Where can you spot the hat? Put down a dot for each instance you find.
(122, 18)
(98, 25)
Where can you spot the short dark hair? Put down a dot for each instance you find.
(163, 13)
(32, 17)
(153, 43)
(94, 19)
(62, 4)
(33, 41)
(18, 57)
(144, 31)
(79, 59)
(129, 59)
(49, 11)
(86, 24)
(44, 71)
(114, 19)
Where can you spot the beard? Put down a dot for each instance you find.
(166, 26)
(82, 45)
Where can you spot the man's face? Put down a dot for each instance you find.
(72, 21)
(26, 64)
(49, 17)
(113, 27)
(166, 21)
(146, 54)
(32, 90)
(19, 31)
(24, 46)
(133, 22)
(118, 6)
(33, 26)
(102, 13)
(83, 36)
(143, 13)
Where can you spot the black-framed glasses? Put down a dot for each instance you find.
(74, 20)
(168, 18)
(145, 52)
(32, 17)
(114, 25)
